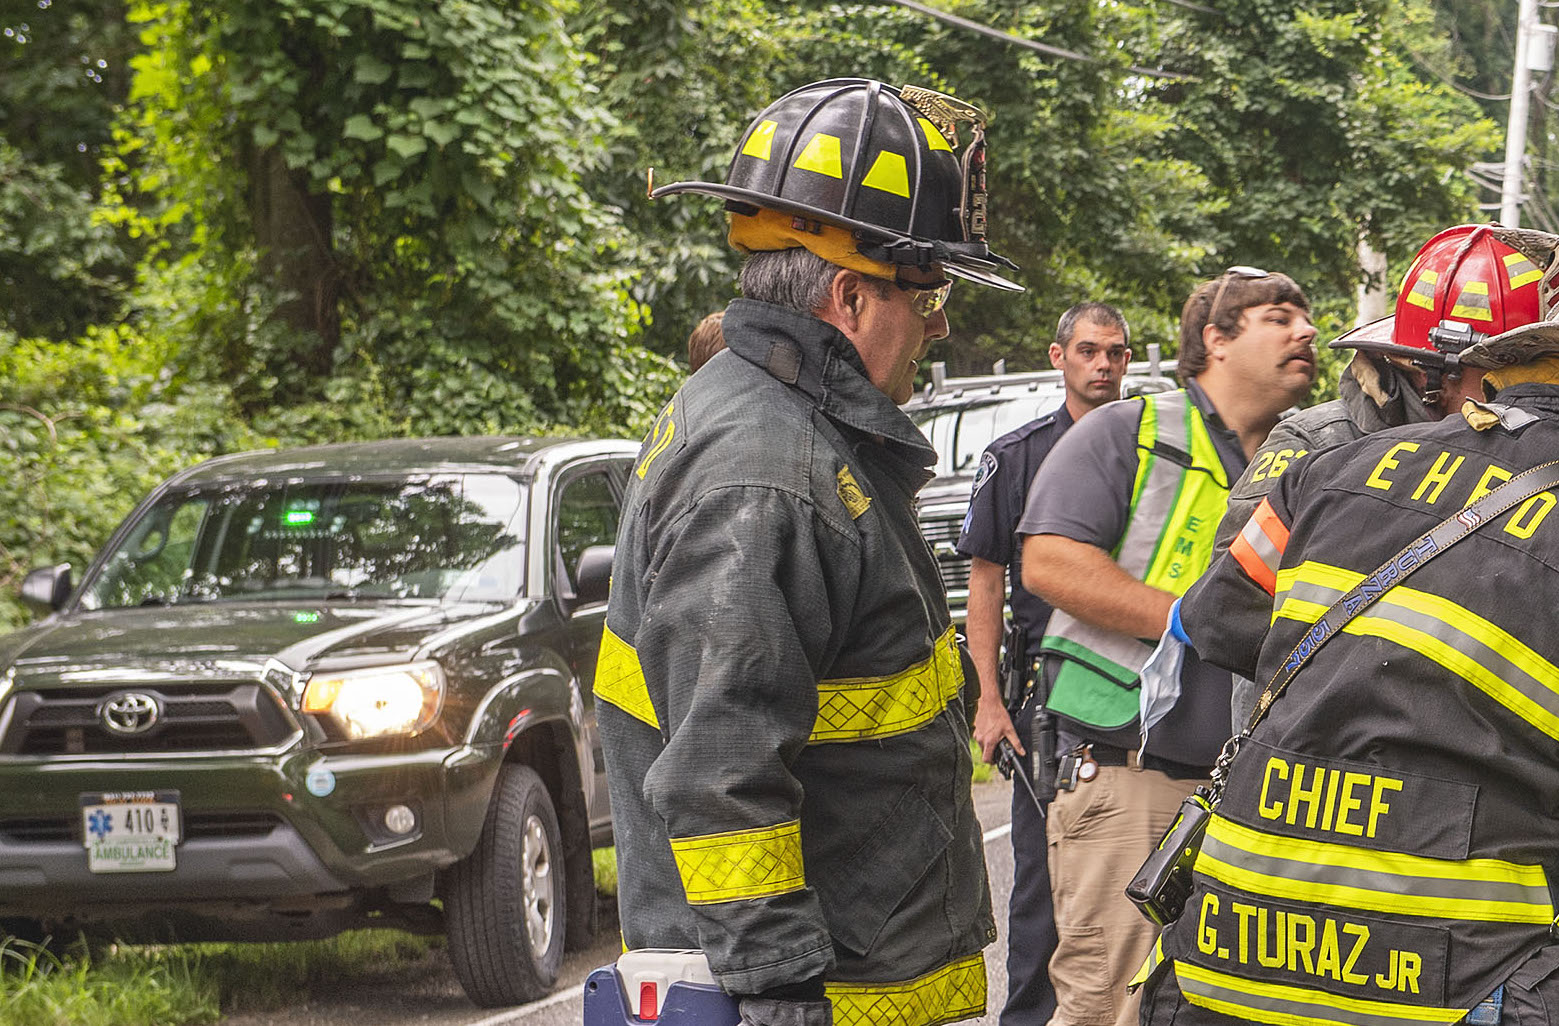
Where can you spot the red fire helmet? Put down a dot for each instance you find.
(1484, 294)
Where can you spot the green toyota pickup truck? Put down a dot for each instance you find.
(310, 690)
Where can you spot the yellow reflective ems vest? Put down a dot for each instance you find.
(1177, 500)
(779, 691)
(1387, 844)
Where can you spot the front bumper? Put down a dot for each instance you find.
(273, 830)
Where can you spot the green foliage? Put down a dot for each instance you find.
(446, 144)
(61, 72)
(86, 429)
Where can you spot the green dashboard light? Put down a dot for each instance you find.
(299, 517)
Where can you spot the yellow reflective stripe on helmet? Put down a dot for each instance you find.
(740, 864)
(1485, 890)
(1473, 303)
(948, 994)
(821, 156)
(761, 141)
(1480, 652)
(889, 173)
(619, 679)
(934, 138)
(858, 708)
(1521, 270)
(1423, 290)
(1284, 1005)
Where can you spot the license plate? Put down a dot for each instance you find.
(130, 831)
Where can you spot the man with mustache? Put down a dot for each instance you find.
(1091, 352)
(1398, 376)
(1119, 521)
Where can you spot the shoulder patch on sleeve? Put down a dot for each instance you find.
(850, 493)
(984, 472)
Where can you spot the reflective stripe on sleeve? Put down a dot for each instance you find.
(619, 679)
(1284, 1005)
(849, 709)
(948, 994)
(1485, 890)
(860, 708)
(1480, 652)
(740, 864)
(1260, 545)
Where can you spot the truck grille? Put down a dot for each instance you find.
(191, 718)
(941, 532)
(54, 829)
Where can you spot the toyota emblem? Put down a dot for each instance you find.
(130, 713)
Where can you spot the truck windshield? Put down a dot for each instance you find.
(454, 537)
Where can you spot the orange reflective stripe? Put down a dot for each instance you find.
(1259, 546)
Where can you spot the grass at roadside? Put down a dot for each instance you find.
(176, 985)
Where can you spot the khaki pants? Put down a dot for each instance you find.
(1099, 836)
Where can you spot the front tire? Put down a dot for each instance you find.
(504, 905)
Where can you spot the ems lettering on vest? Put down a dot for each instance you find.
(1184, 549)
(1324, 949)
(1423, 476)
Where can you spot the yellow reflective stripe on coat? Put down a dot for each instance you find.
(1284, 1005)
(1480, 652)
(740, 864)
(948, 994)
(860, 708)
(1320, 872)
(1149, 965)
(619, 679)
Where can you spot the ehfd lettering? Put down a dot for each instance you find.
(1430, 484)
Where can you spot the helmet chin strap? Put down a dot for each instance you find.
(1450, 339)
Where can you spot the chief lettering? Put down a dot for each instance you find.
(1337, 801)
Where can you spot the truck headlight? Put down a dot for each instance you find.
(378, 701)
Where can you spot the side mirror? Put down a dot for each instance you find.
(47, 588)
(593, 577)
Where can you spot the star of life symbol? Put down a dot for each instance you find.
(101, 824)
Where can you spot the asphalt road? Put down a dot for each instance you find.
(427, 994)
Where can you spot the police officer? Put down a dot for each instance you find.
(1384, 849)
(779, 687)
(1091, 351)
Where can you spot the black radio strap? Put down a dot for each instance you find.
(1388, 575)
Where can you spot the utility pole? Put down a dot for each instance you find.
(1516, 127)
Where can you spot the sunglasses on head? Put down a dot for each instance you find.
(926, 299)
(1243, 272)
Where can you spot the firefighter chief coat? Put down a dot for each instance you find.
(1388, 844)
(779, 690)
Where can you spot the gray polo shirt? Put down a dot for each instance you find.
(1083, 492)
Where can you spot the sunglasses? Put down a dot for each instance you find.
(926, 299)
(1243, 272)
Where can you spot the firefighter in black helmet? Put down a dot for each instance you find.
(779, 683)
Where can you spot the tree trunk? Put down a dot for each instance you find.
(293, 232)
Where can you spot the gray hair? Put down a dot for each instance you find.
(1102, 314)
(796, 279)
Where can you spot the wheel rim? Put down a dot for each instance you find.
(536, 876)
